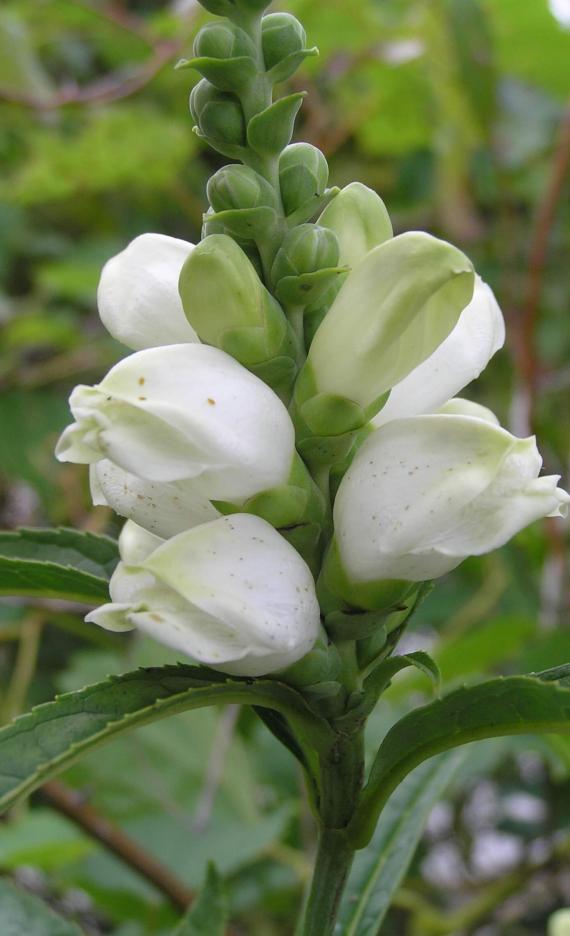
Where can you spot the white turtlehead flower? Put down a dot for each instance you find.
(424, 493)
(399, 303)
(232, 594)
(184, 412)
(559, 923)
(138, 295)
(458, 360)
(460, 407)
(165, 508)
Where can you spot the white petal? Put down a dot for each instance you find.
(460, 407)
(403, 492)
(398, 304)
(241, 573)
(358, 217)
(458, 360)
(111, 617)
(165, 509)
(186, 411)
(136, 543)
(138, 295)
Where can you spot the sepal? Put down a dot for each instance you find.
(270, 131)
(232, 74)
(383, 595)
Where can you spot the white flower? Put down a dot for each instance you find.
(184, 412)
(162, 508)
(458, 360)
(138, 295)
(232, 594)
(424, 493)
(396, 307)
(559, 923)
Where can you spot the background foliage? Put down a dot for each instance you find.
(456, 112)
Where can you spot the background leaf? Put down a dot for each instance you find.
(207, 917)
(22, 913)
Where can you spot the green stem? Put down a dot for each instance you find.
(334, 858)
(342, 771)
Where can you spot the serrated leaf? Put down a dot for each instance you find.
(40, 744)
(57, 563)
(379, 869)
(207, 917)
(22, 913)
(498, 707)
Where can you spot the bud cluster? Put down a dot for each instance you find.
(286, 442)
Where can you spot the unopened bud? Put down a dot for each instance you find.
(238, 187)
(306, 249)
(282, 35)
(218, 115)
(303, 174)
(222, 41)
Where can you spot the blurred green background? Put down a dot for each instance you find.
(457, 112)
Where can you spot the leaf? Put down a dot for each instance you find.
(207, 917)
(381, 676)
(505, 706)
(40, 744)
(57, 563)
(379, 869)
(22, 913)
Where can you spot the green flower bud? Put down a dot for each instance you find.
(305, 249)
(238, 187)
(222, 41)
(230, 308)
(303, 174)
(305, 265)
(218, 115)
(359, 218)
(282, 35)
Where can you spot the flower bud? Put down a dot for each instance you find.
(424, 493)
(359, 218)
(138, 297)
(229, 306)
(234, 187)
(184, 412)
(222, 40)
(395, 308)
(305, 249)
(305, 265)
(559, 923)
(303, 174)
(164, 509)
(217, 114)
(459, 359)
(282, 35)
(232, 594)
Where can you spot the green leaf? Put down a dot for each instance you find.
(379, 869)
(505, 706)
(57, 563)
(381, 676)
(22, 913)
(207, 917)
(40, 744)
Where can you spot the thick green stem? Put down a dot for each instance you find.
(334, 858)
(341, 781)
